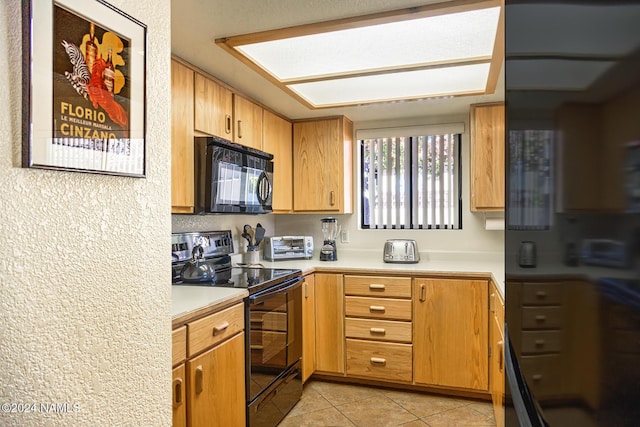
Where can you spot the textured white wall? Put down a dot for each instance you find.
(84, 304)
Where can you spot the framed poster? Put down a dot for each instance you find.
(83, 88)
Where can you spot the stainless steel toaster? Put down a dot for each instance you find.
(401, 251)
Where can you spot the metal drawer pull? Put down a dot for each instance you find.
(199, 379)
(541, 318)
(378, 361)
(541, 294)
(501, 359)
(256, 347)
(177, 392)
(220, 328)
(536, 377)
(376, 308)
(378, 331)
(539, 343)
(376, 286)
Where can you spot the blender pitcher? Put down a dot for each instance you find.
(330, 231)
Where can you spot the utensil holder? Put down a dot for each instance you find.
(252, 256)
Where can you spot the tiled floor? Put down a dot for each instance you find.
(333, 404)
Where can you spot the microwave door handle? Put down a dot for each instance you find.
(263, 188)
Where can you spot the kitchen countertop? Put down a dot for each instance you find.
(432, 264)
(191, 302)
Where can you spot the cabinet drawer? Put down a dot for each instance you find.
(378, 308)
(541, 294)
(178, 345)
(379, 360)
(542, 318)
(627, 342)
(217, 327)
(399, 287)
(543, 374)
(535, 342)
(381, 330)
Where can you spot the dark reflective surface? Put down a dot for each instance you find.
(573, 191)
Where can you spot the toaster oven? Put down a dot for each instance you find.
(288, 247)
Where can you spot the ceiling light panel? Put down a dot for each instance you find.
(432, 40)
(401, 85)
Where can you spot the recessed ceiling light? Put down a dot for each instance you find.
(452, 48)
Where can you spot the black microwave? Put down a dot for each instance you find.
(231, 178)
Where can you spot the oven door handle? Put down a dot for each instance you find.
(283, 287)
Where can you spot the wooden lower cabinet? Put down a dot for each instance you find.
(216, 387)
(450, 337)
(329, 323)
(208, 359)
(496, 366)
(179, 393)
(308, 327)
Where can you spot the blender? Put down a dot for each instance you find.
(330, 231)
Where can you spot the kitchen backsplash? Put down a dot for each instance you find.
(235, 223)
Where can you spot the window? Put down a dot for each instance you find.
(410, 182)
(530, 179)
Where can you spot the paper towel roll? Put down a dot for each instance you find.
(494, 223)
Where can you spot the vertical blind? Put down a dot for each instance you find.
(530, 180)
(411, 182)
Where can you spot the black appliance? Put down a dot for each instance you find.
(231, 178)
(572, 333)
(273, 319)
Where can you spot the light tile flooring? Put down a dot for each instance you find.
(334, 404)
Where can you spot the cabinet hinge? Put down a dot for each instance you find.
(489, 351)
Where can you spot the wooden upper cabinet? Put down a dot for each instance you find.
(277, 134)
(451, 339)
(322, 168)
(213, 108)
(182, 180)
(580, 175)
(487, 157)
(247, 117)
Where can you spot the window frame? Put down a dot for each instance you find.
(360, 189)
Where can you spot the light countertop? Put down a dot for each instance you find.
(440, 264)
(191, 302)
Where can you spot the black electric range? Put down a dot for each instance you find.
(217, 245)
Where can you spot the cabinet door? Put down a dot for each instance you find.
(308, 327)
(277, 134)
(497, 371)
(450, 333)
(248, 122)
(329, 323)
(182, 190)
(580, 162)
(487, 157)
(178, 393)
(216, 394)
(318, 165)
(213, 108)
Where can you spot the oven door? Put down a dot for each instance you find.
(275, 335)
